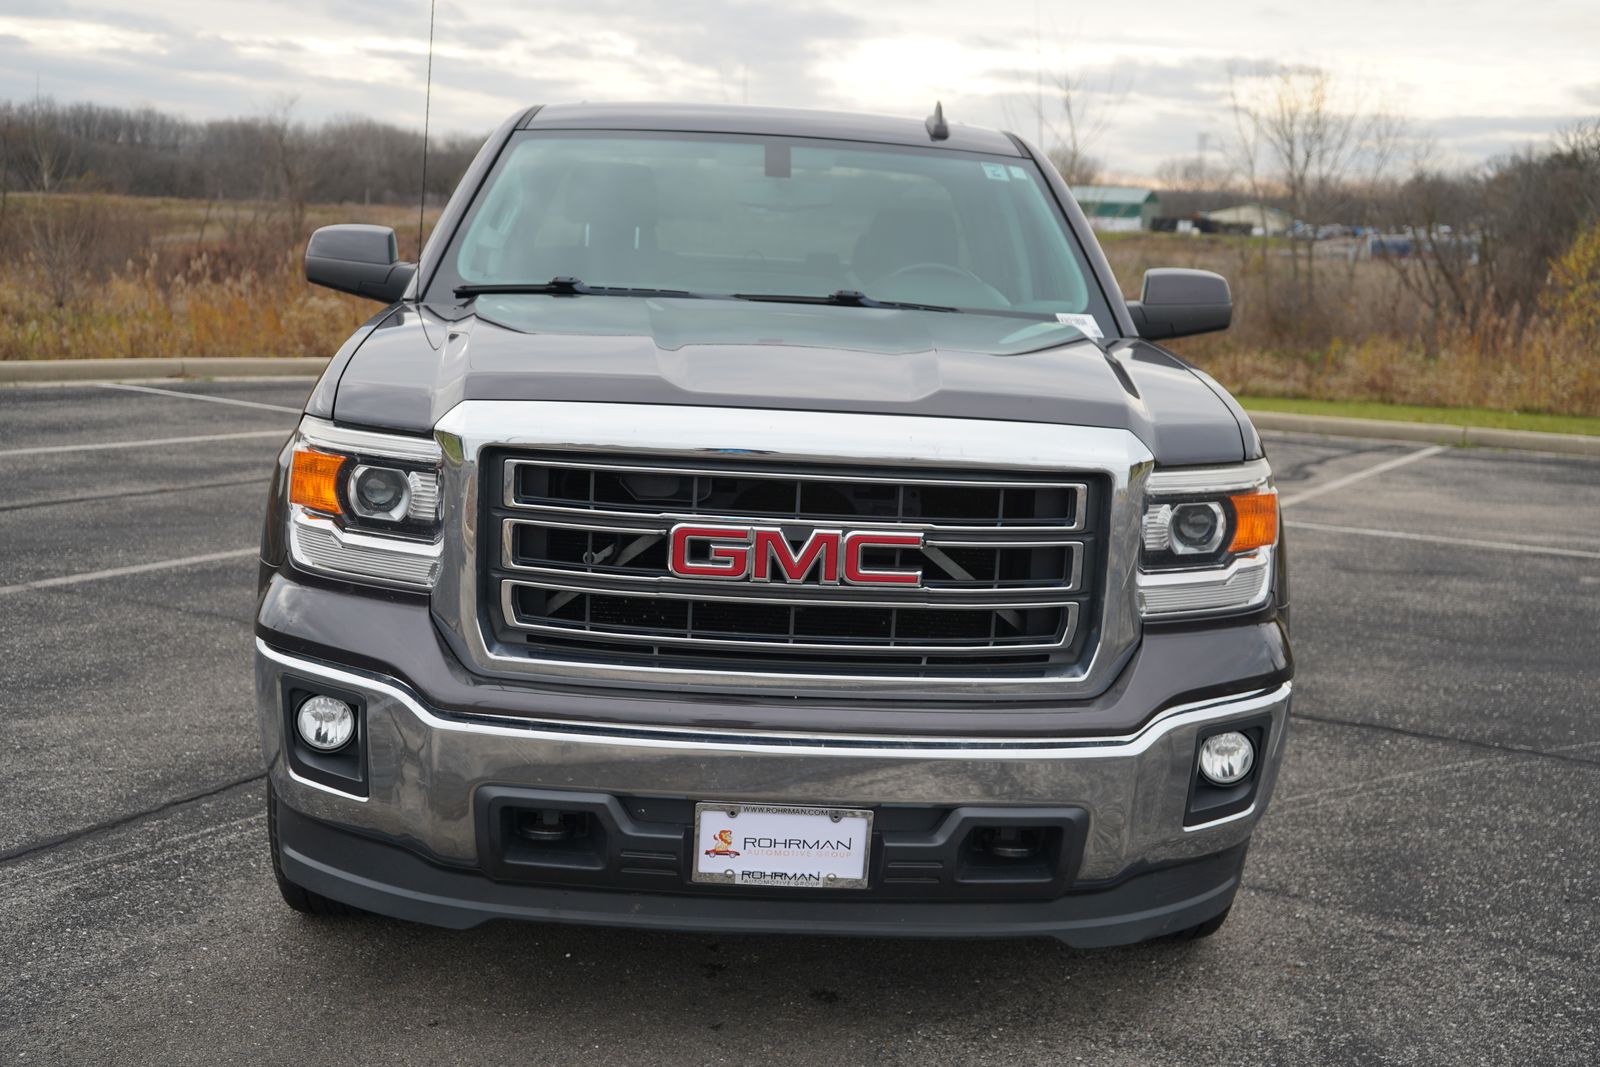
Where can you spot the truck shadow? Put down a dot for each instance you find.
(722, 985)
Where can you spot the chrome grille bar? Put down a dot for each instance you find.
(803, 595)
(634, 635)
(638, 582)
(1076, 492)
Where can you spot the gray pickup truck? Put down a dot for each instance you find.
(757, 520)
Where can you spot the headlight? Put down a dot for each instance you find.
(1209, 535)
(365, 506)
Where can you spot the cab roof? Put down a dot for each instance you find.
(772, 121)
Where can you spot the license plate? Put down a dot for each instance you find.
(782, 847)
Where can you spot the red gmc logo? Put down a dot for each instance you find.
(763, 554)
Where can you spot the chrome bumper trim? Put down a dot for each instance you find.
(424, 768)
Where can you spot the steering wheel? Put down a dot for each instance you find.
(982, 294)
(934, 268)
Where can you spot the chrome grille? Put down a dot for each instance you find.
(576, 565)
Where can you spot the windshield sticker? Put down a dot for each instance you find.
(996, 172)
(1019, 174)
(1084, 324)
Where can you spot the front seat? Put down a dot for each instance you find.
(901, 237)
(606, 216)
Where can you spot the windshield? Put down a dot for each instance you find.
(767, 216)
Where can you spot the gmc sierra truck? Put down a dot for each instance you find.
(758, 520)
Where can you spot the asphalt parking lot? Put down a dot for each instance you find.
(1423, 889)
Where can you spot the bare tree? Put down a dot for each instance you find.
(45, 149)
(1196, 183)
(1477, 249)
(1084, 113)
(289, 155)
(6, 123)
(1070, 113)
(1298, 137)
(60, 235)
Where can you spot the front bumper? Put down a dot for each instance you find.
(414, 845)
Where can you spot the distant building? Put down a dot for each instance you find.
(1118, 207)
(1264, 221)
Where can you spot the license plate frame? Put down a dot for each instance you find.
(716, 862)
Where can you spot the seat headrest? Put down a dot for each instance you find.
(622, 194)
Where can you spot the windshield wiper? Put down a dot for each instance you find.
(843, 298)
(562, 286)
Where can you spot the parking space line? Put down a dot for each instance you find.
(1361, 475)
(152, 442)
(1496, 762)
(1467, 542)
(118, 572)
(131, 494)
(196, 396)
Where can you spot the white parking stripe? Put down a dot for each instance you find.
(1350, 479)
(118, 572)
(1504, 546)
(196, 396)
(150, 443)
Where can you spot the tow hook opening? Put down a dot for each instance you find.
(551, 838)
(1010, 842)
(1010, 853)
(550, 826)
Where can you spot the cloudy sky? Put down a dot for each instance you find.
(1475, 77)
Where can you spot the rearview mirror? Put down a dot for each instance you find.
(1178, 302)
(359, 259)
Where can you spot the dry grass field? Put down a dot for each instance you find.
(99, 276)
(95, 276)
(1365, 335)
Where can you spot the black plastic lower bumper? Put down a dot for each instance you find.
(391, 880)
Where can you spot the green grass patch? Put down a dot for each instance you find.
(1362, 409)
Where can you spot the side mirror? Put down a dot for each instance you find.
(359, 259)
(1178, 302)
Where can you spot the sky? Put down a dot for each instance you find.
(1474, 78)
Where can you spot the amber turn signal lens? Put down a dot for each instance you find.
(1255, 520)
(314, 481)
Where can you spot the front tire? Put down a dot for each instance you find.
(298, 897)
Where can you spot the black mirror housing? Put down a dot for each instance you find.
(359, 259)
(1179, 302)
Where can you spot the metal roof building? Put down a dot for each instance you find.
(1262, 219)
(1118, 207)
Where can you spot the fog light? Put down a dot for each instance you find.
(325, 724)
(1226, 758)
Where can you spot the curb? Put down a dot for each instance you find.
(1427, 432)
(86, 370)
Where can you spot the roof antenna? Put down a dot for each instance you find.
(937, 130)
(427, 113)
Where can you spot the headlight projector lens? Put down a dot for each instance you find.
(326, 724)
(379, 492)
(1197, 528)
(1226, 758)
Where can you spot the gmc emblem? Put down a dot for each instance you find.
(763, 554)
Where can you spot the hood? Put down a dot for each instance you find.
(415, 365)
